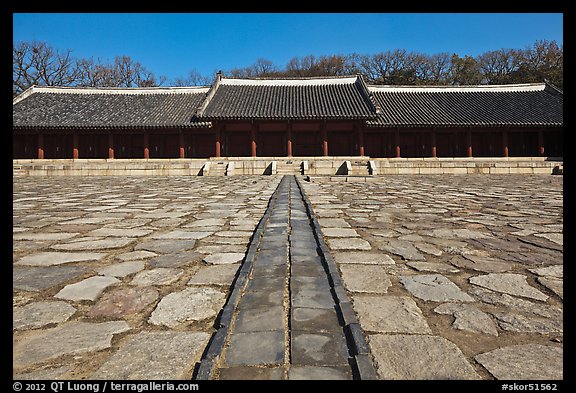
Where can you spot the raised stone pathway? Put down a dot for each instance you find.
(286, 322)
(134, 277)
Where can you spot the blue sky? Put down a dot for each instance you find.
(173, 44)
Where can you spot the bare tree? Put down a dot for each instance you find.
(37, 63)
(194, 78)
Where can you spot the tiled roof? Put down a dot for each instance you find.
(279, 99)
(107, 108)
(507, 105)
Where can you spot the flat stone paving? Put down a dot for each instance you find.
(108, 278)
(469, 266)
(470, 271)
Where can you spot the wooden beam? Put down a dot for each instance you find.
(434, 142)
(218, 142)
(40, 146)
(253, 145)
(289, 140)
(505, 143)
(397, 141)
(469, 142)
(110, 146)
(360, 132)
(182, 153)
(541, 142)
(146, 146)
(75, 146)
(324, 137)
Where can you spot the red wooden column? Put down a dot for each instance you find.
(253, 140)
(434, 143)
(146, 146)
(397, 141)
(75, 146)
(289, 140)
(218, 136)
(505, 143)
(110, 146)
(360, 139)
(541, 143)
(40, 146)
(324, 137)
(469, 142)
(181, 143)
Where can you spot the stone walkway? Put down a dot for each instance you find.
(125, 278)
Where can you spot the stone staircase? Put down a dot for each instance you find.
(359, 168)
(289, 167)
(215, 168)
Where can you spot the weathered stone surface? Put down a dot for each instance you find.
(121, 269)
(258, 348)
(87, 289)
(214, 275)
(557, 238)
(178, 259)
(43, 236)
(333, 223)
(512, 302)
(510, 283)
(155, 355)
(527, 324)
(410, 357)
(365, 278)
(340, 232)
(556, 271)
(38, 314)
(166, 246)
(428, 248)
(435, 267)
(45, 374)
(234, 234)
(208, 222)
(390, 314)
(191, 304)
(158, 276)
(461, 233)
(123, 232)
(318, 349)
(359, 257)
(469, 318)
(314, 320)
(260, 319)
(319, 373)
(434, 287)
(216, 248)
(224, 258)
(57, 258)
(348, 244)
(40, 278)
(180, 235)
(482, 264)
(556, 285)
(136, 255)
(251, 373)
(404, 249)
(524, 362)
(72, 338)
(102, 244)
(124, 301)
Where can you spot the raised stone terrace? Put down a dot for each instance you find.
(402, 277)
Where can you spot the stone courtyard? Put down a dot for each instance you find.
(450, 277)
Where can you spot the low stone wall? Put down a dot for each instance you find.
(311, 166)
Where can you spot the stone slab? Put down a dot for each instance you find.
(482, 264)
(119, 232)
(256, 348)
(71, 338)
(251, 373)
(510, 283)
(390, 314)
(224, 258)
(260, 319)
(556, 271)
(102, 244)
(403, 249)
(333, 223)
(155, 355)
(314, 320)
(43, 236)
(40, 278)
(519, 323)
(434, 267)
(214, 275)
(157, 276)
(166, 246)
(123, 301)
(556, 285)
(136, 255)
(318, 349)
(181, 235)
(87, 289)
(524, 362)
(348, 244)
(434, 287)
(174, 260)
(39, 314)
(121, 269)
(419, 357)
(190, 304)
(340, 232)
(469, 318)
(50, 258)
(319, 373)
(365, 278)
(368, 258)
